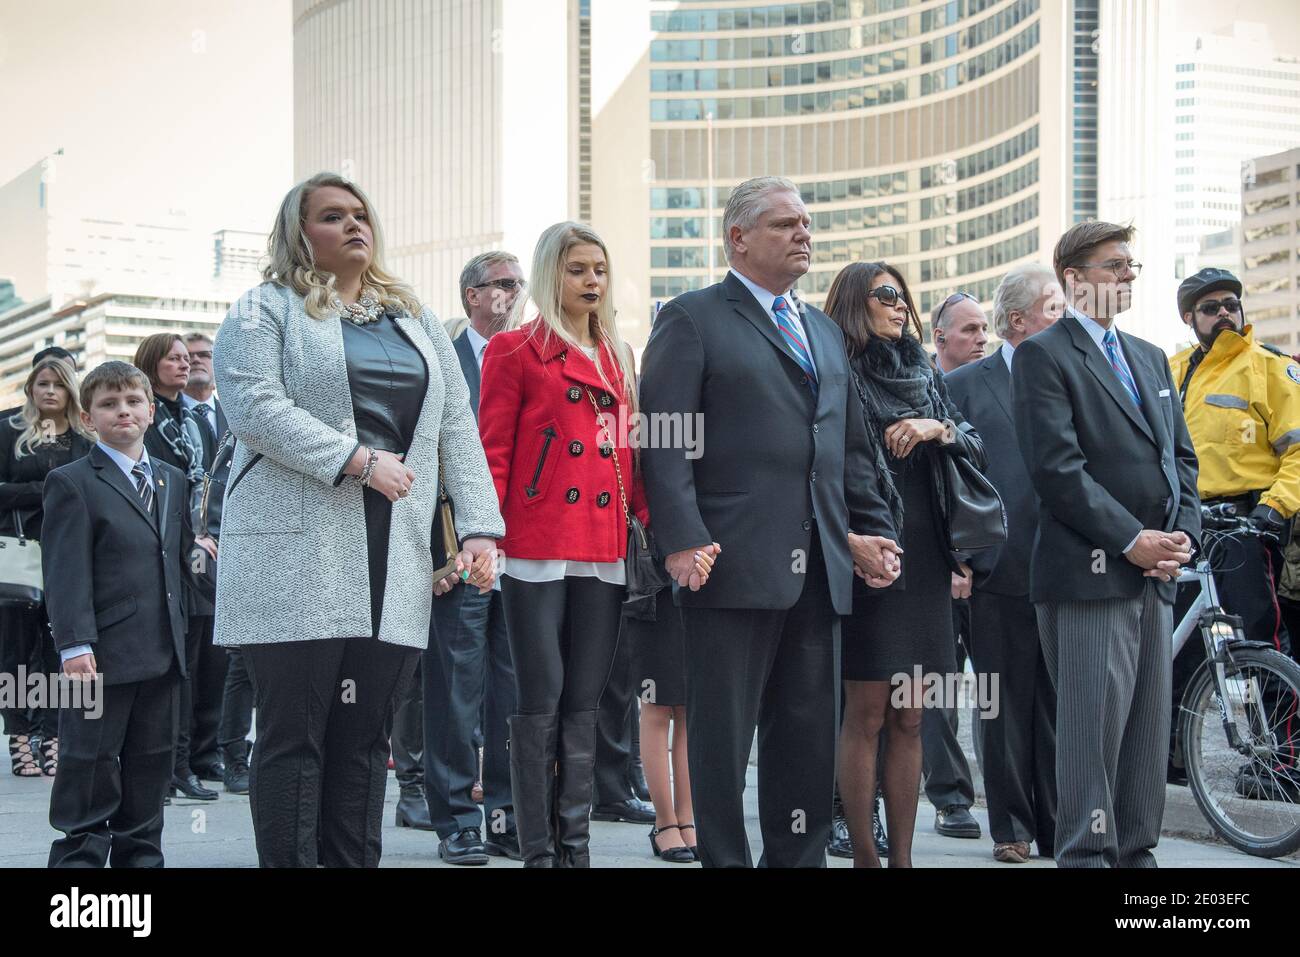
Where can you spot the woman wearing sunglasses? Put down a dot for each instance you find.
(911, 424)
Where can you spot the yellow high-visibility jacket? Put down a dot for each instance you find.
(1243, 413)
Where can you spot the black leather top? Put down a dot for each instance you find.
(388, 377)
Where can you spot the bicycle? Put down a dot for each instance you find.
(1239, 718)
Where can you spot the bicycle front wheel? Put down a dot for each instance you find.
(1249, 790)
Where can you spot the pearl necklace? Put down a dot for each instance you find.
(364, 311)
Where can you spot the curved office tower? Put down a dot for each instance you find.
(949, 138)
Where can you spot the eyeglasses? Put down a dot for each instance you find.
(507, 285)
(1211, 307)
(955, 298)
(1117, 266)
(206, 354)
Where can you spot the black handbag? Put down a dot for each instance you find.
(976, 516)
(645, 573)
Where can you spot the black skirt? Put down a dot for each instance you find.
(892, 630)
(658, 653)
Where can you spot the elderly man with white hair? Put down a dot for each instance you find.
(1020, 742)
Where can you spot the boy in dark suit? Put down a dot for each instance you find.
(116, 549)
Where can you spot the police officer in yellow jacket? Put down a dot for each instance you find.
(1242, 404)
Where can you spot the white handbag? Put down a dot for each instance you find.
(21, 581)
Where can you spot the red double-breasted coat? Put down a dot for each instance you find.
(550, 461)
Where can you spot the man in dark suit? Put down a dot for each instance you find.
(116, 557)
(467, 675)
(203, 694)
(960, 331)
(1102, 435)
(1019, 741)
(784, 484)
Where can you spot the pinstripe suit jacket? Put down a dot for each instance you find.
(293, 532)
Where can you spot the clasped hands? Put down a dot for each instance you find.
(690, 567)
(1160, 554)
(876, 560)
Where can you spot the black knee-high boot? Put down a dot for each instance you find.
(532, 779)
(576, 775)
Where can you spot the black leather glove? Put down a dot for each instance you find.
(1268, 520)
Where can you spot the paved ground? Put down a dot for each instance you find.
(219, 834)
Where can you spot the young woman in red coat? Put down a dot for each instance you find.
(556, 405)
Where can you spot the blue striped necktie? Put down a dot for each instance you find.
(789, 326)
(1111, 343)
(140, 473)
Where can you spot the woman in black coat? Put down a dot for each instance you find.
(45, 434)
(893, 631)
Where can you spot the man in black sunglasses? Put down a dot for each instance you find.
(1242, 403)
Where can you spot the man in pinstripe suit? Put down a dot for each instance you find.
(1102, 434)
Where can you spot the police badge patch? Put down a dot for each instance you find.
(1293, 372)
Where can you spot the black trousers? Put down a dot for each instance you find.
(1020, 742)
(468, 679)
(320, 764)
(777, 670)
(200, 697)
(563, 639)
(114, 772)
(944, 765)
(614, 731)
(236, 701)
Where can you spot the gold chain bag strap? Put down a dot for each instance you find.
(645, 574)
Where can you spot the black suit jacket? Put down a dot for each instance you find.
(1103, 469)
(114, 573)
(775, 460)
(469, 366)
(982, 391)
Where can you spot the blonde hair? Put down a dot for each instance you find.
(293, 264)
(28, 419)
(548, 296)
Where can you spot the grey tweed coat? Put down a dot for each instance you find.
(292, 561)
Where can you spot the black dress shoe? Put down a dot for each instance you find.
(631, 811)
(956, 821)
(189, 787)
(463, 847)
(211, 772)
(503, 845)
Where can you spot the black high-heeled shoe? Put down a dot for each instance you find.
(674, 855)
(695, 851)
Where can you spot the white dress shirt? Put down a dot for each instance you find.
(477, 343)
(1007, 350)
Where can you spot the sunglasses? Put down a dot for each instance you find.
(955, 298)
(1211, 307)
(888, 295)
(508, 285)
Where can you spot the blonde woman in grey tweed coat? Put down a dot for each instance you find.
(343, 393)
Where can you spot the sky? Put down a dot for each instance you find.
(162, 107)
(169, 108)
